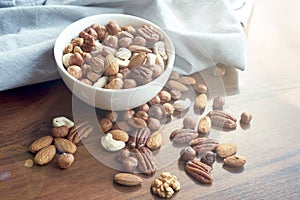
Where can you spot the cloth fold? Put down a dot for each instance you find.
(204, 32)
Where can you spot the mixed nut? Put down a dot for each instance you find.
(133, 135)
(116, 57)
(63, 139)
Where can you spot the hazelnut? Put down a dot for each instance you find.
(112, 116)
(93, 76)
(101, 31)
(218, 103)
(139, 41)
(153, 124)
(65, 160)
(188, 153)
(200, 88)
(128, 114)
(113, 28)
(156, 111)
(129, 83)
(155, 100)
(175, 94)
(142, 114)
(189, 122)
(105, 124)
(123, 154)
(130, 29)
(129, 164)
(246, 118)
(144, 107)
(61, 131)
(174, 75)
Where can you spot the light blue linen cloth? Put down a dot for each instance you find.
(205, 32)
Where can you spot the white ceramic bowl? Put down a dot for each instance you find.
(110, 99)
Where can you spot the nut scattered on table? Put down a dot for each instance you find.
(199, 171)
(45, 155)
(40, 143)
(65, 160)
(246, 118)
(226, 149)
(235, 161)
(165, 185)
(128, 179)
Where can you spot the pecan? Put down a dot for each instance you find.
(146, 161)
(199, 171)
(139, 137)
(183, 135)
(141, 75)
(80, 131)
(150, 33)
(222, 119)
(203, 144)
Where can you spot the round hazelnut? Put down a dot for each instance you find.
(129, 164)
(128, 114)
(76, 59)
(123, 154)
(174, 75)
(218, 103)
(61, 131)
(142, 114)
(75, 71)
(112, 116)
(164, 96)
(246, 118)
(200, 88)
(129, 83)
(113, 28)
(65, 160)
(145, 107)
(189, 122)
(156, 111)
(188, 153)
(105, 124)
(155, 100)
(153, 124)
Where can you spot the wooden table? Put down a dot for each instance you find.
(269, 88)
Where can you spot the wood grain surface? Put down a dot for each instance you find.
(269, 89)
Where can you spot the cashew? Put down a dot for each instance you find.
(160, 49)
(101, 82)
(110, 144)
(62, 121)
(151, 59)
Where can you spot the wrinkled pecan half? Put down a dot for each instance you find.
(139, 137)
(146, 160)
(222, 120)
(204, 144)
(199, 171)
(80, 131)
(183, 135)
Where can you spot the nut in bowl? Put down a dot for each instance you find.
(114, 61)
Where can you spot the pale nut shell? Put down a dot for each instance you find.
(204, 125)
(128, 179)
(65, 160)
(154, 141)
(110, 144)
(45, 155)
(116, 83)
(151, 59)
(235, 161)
(40, 143)
(139, 49)
(62, 121)
(101, 82)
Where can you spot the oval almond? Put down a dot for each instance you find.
(119, 135)
(128, 179)
(45, 155)
(40, 143)
(64, 145)
(154, 141)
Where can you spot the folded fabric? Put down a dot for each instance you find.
(204, 32)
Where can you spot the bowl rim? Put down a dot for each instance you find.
(58, 51)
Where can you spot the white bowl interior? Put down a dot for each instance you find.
(110, 99)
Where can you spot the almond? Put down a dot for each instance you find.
(111, 64)
(175, 85)
(45, 155)
(119, 135)
(137, 59)
(40, 143)
(154, 141)
(226, 149)
(187, 80)
(128, 179)
(235, 161)
(65, 145)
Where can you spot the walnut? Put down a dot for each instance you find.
(165, 185)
